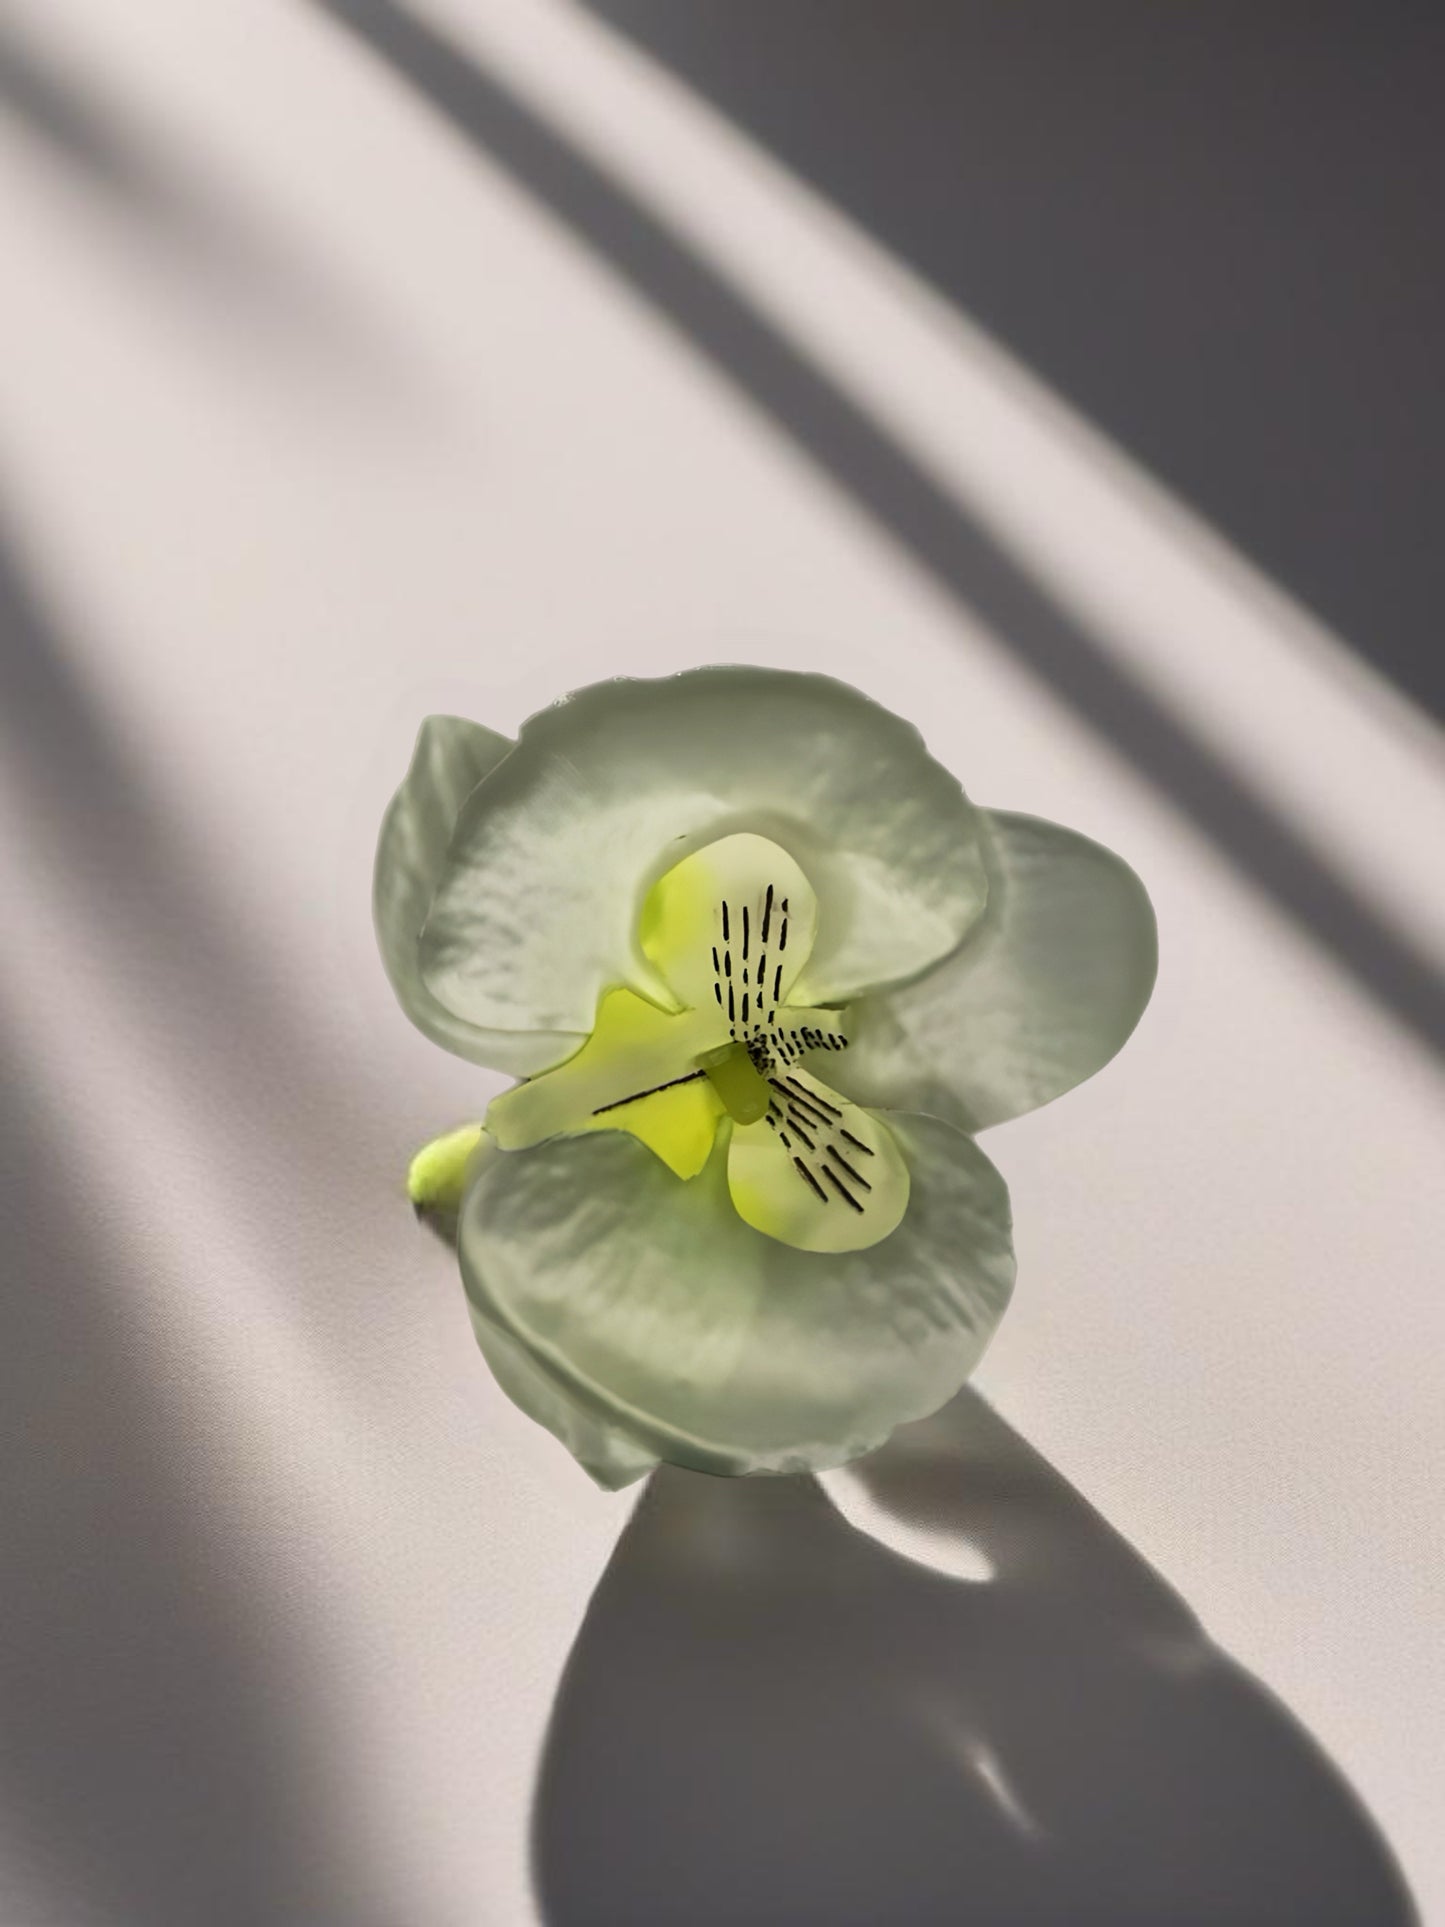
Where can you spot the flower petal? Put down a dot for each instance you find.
(717, 1346)
(798, 1030)
(603, 1450)
(537, 911)
(1040, 994)
(818, 1172)
(731, 925)
(452, 756)
(637, 1072)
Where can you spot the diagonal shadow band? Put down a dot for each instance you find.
(161, 1752)
(96, 147)
(769, 1717)
(158, 1759)
(251, 276)
(170, 931)
(862, 459)
(1191, 221)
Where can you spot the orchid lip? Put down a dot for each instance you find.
(726, 933)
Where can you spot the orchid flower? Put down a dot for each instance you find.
(762, 970)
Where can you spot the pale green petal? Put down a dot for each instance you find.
(731, 926)
(452, 756)
(537, 913)
(818, 1172)
(1040, 994)
(637, 1072)
(717, 1346)
(603, 1450)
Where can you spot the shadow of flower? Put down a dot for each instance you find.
(770, 1717)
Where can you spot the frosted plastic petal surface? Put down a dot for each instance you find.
(637, 1052)
(603, 1450)
(731, 925)
(1040, 995)
(452, 756)
(538, 909)
(818, 1172)
(719, 1347)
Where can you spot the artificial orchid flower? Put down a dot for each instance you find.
(762, 969)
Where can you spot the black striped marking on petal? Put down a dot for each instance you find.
(813, 1098)
(841, 1188)
(809, 1110)
(811, 1181)
(856, 1176)
(688, 1077)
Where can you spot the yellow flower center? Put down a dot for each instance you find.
(725, 935)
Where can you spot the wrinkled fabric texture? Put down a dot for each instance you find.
(732, 1216)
